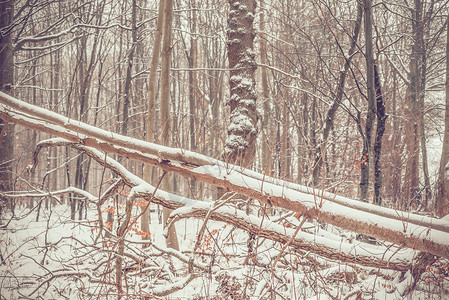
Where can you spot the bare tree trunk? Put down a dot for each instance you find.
(33, 139)
(167, 184)
(148, 173)
(83, 105)
(240, 145)
(192, 92)
(285, 166)
(121, 233)
(421, 97)
(122, 230)
(54, 108)
(265, 90)
(6, 83)
(411, 192)
(425, 164)
(395, 169)
(85, 79)
(442, 188)
(214, 97)
(329, 121)
(377, 148)
(129, 68)
(366, 153)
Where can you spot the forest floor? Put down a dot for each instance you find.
(57, 258)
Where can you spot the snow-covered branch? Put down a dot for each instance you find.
(49, 37)
(401, 228)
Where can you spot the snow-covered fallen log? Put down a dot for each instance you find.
(429, 235)
(357, 252)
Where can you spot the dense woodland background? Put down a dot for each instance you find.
(347, 96)
(90, 61)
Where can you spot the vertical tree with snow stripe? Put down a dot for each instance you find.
(240, 145)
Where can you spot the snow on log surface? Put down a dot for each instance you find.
(331, 248)
(426, 234)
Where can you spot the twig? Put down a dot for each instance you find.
(287, 244)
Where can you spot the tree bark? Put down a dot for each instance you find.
(377, 147)
(86, 69)
(442, 189)
(240, 145)
(411, 192)
(122, 230)
(129, 68)
(167, 184)
(284, 161)
(392, 186)
(192, 58)
(369, 56)
(421, 93)
(265, 91)
(148, 172)
(121, 233)
(6, 84)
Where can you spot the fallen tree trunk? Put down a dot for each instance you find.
(420, 233)
(104, 140)
(357, 253)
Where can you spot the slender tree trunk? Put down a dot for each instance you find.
(6, 83)
(148, 173)
(411, 192)
(54, 108)
(82, 117)
(313, 145)
(121, 233)
(302, 162)
(33, 138)
(366, 153)
(330, 116)
(36, 136)
(192, 58)
(285, 166)
(265, 91)
(122, 230)
(129, 68)
(214, 97)
(421, 97)
(192, 92)
(85, 76)
(377, 148)
(442, 191)
(278, 141)
(167, 184)
(395, 168)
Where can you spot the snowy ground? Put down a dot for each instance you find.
(56, 258)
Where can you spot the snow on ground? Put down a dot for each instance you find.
(57, 258)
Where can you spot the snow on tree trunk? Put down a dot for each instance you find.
(240, 145)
